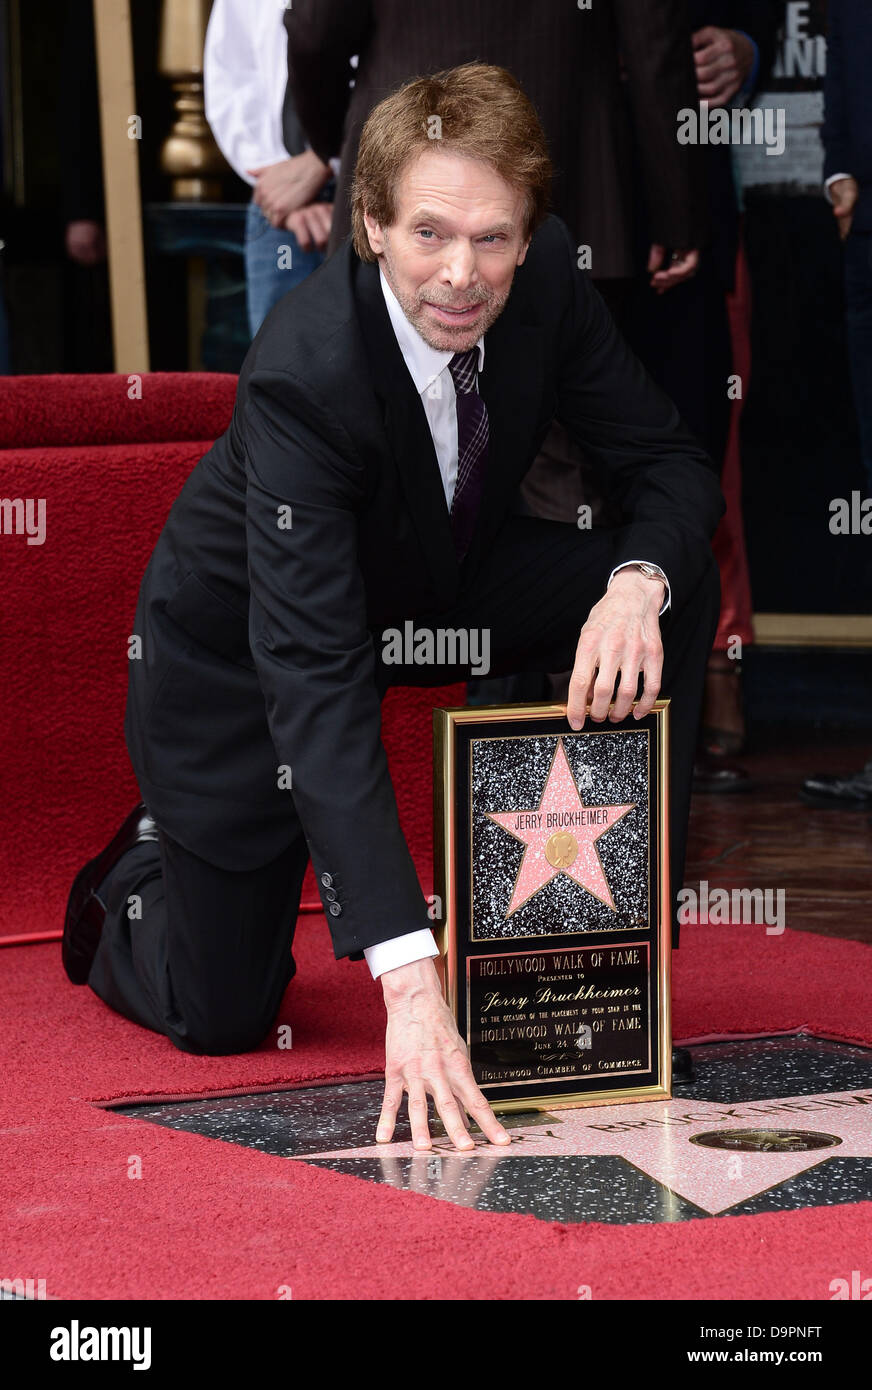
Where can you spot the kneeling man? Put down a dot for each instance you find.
(386, 414)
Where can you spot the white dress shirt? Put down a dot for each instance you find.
(434, 383)
(428, 369)
(245, 74)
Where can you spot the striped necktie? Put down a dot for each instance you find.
(472, 448)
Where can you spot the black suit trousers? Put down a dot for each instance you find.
(203, 954)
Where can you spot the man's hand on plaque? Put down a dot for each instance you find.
(425, 1055)
(620, 638)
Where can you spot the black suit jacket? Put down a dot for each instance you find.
(258, 623)
(568, 61)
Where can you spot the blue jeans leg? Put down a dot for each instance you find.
(274, 264)
(858, 328)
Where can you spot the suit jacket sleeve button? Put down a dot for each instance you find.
(335, 910)
(327, 880)
(330, 894)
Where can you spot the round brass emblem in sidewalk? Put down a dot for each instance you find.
(762, 1141)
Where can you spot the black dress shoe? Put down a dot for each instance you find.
(683, 1073)
(720, 775)
(85, 910)
(851, 792)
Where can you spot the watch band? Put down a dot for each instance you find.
(649, 571)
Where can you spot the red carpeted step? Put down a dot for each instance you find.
(67, 613)
(57, 411)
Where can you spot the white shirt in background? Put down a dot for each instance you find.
(245, 74)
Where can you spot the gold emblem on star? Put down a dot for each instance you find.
(561, 850)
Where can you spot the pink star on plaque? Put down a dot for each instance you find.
(560, 837)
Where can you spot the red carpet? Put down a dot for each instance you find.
(209, 1220)
(66, 1043)
(212, 1220)
(216, 1221)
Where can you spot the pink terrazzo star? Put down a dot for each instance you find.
(560, 836)
(655, 1137)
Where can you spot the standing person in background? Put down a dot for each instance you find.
(251, 113)
(847, 137)
(684, 340)
(601, 80)
(87, 321)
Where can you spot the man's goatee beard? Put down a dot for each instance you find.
(435, 335)
(415, 309)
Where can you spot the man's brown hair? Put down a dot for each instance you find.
(475, 110)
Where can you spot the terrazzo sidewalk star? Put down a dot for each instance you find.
(662, 1140)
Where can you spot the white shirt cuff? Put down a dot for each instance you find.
(400, 950)
(667, 600)
(832, 179)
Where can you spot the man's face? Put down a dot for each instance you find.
(451, 254)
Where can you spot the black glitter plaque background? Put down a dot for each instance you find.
(509, 774)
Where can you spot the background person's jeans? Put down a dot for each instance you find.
(265, 283)
(858, 328)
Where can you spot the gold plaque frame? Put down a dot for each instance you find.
(456, 727)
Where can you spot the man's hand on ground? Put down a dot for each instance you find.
(292, 183)
(622, 635)
(425, 1055)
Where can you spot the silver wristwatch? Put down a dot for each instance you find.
(649, 571)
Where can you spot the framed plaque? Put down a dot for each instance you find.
(552, 873)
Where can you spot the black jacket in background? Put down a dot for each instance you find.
(568, 61)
